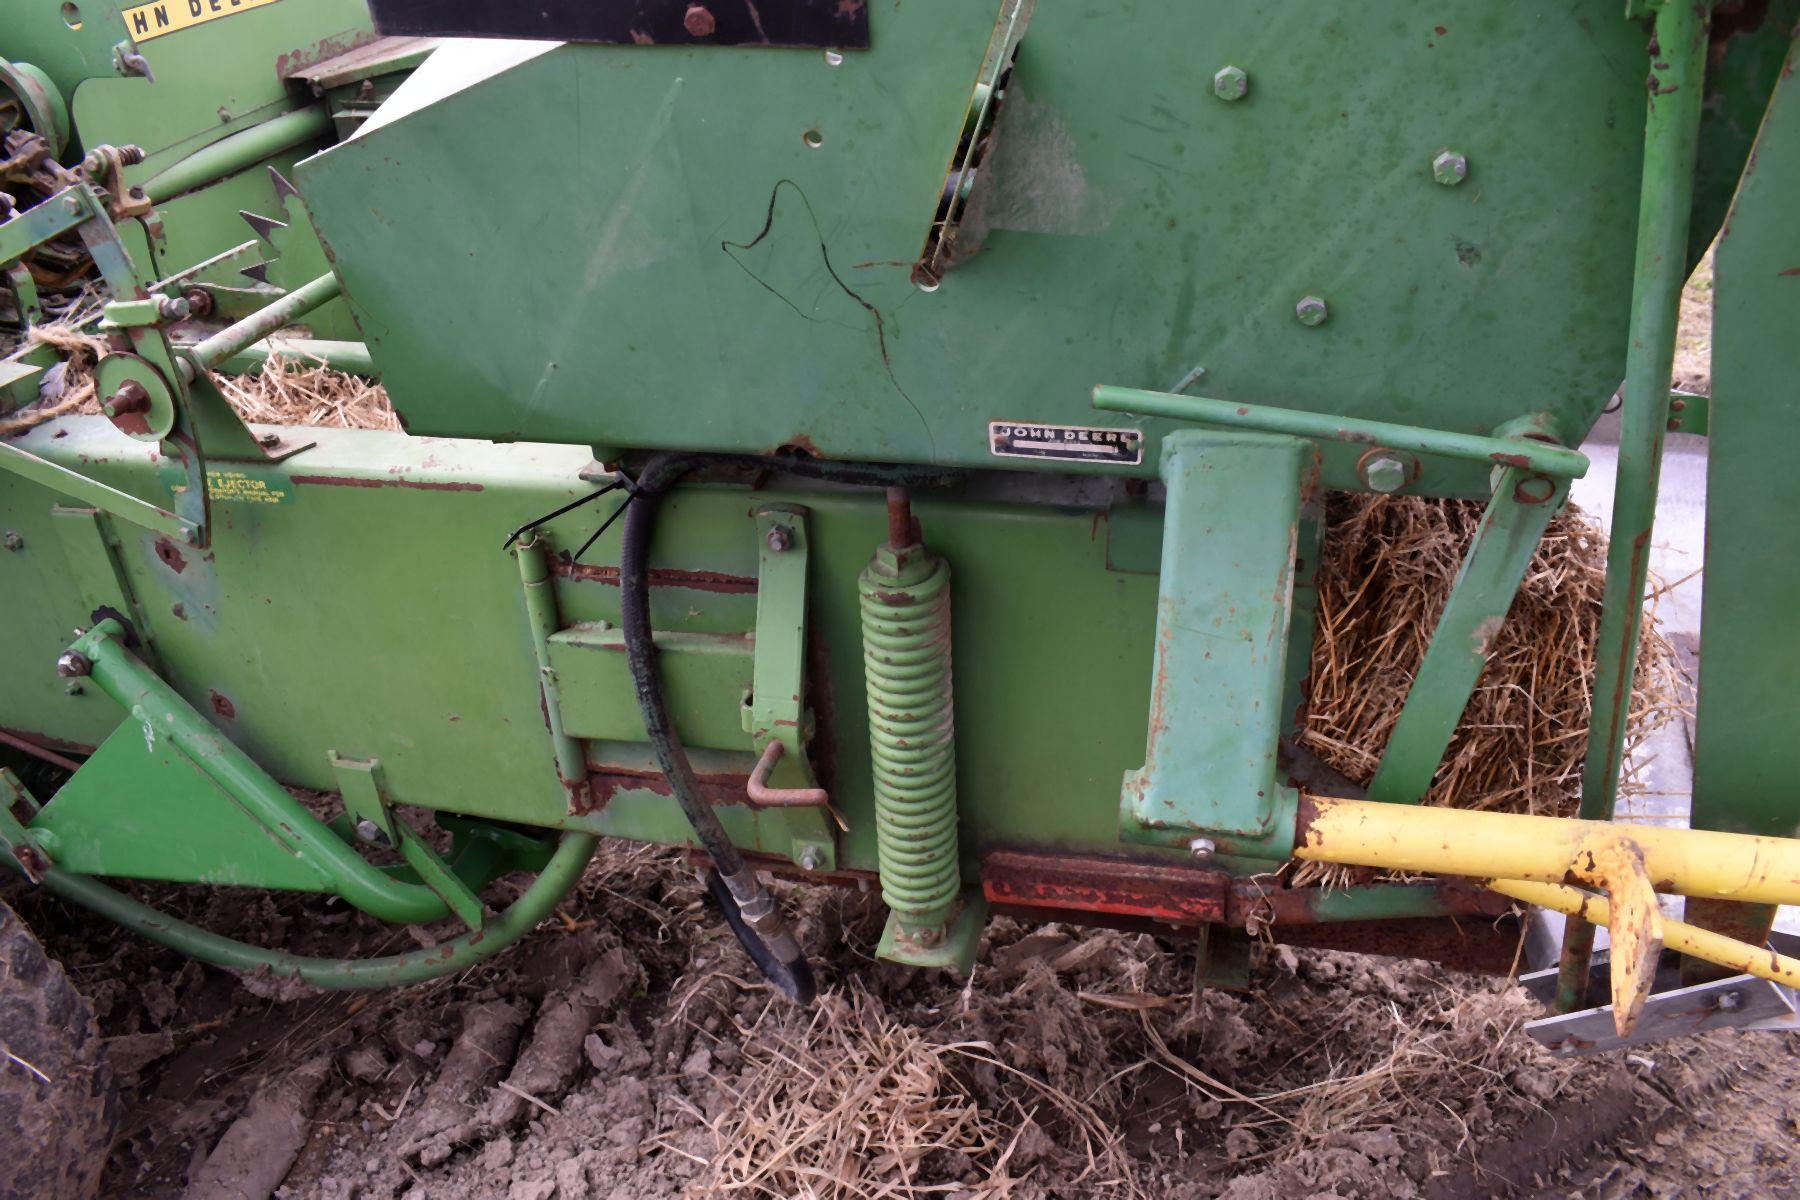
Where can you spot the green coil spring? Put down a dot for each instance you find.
(912, 738)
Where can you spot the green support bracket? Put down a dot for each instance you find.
(1690, 412)
(92, 551)
(777, 706)
(956, 952)
(1224, 602)
(1491, 572)
(373, 820)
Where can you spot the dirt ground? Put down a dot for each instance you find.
(626, 1050)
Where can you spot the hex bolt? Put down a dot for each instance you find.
(173, 308)
(72, 204)
(1203, 847)
(199, 301)
(1385, 473)
(1730, 1001)
(809, 859)
(71, 664)
(268, 441)
(130, 398)
(780, 538)
(369, 831)
(1311, 310)
(1449, 168)
(1230, 83)
(698, 21)
(14, 541)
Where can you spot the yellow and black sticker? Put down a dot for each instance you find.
(146, 21)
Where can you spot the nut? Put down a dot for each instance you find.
(173, 308)
(698, 21)
(1230, 83)
(71, 664)
(369, 831)
(1385, 473)
(1311, 310)
(199, 301)
(14, 541)
(1449, 168)
(1203, 847)
(780, 538)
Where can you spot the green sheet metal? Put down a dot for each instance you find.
(682, 255)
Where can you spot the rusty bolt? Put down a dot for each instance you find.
(1203, 847)
(1230, 83)
(1385, 473)
(1677, 404)
(780, 538)
(131, 156)
(1311, 310)
(1449, 168)
(73, 665)
(199, 300)
(698, 21)
(14, 541)
(130, 398)
(173, 308)
(268, 440)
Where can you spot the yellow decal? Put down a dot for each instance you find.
(146, 21)
(235, 485)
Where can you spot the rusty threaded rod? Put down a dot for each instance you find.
(901, 530)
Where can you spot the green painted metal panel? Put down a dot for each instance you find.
(356, 599)
(1743, 742)
(693, 255)
(706, 677)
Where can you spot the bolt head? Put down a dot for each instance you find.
(1203, 847)
(1449, 168)
(809, 859)
(368, 831)
(72, 204)
(14, 541)
(1385, 473)
(174, 308)
(1311, 311)
(130, 398)
(1730, 1001)
(73, 665)
(698, 21)
(781, 538)
(1230, 83)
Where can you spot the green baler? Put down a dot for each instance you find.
(889, 444)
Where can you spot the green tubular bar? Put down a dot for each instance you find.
(240, 151)
(558, 878)
(260, 324)
(1671, 140)
(1540, 457)
(146, 697)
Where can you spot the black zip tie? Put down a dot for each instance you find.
(604, 526)
(571, 506)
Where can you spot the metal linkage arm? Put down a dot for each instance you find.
(264, 321)
(1541, 458)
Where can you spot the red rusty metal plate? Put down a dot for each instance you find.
(1114, 886)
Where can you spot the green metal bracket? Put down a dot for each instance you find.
(1690, 412)
(25, 848)
(777, 706)
(374, 820)
(79, 487)
(25, 292)
(1491, 572)
(93, 554)
(956, 952)
(1222, 622)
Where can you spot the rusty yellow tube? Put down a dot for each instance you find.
(1676, 935)
(1488, 845)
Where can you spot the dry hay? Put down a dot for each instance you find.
(1389, 565)
(290, 389)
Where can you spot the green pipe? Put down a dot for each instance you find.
(239, 151)
(350, 357)
(558, 878)
(540, 609)
(235, 338)
(1671, 139)
(148, 699)
(1541, 458)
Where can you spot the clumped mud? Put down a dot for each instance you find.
(627, 1051)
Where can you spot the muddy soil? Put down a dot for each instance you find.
(627, 1050)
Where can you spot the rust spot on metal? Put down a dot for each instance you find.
(1484, 946)
(798, 446)
(702, 581)
(222, 704)
(606, 782)
(423, 485)
(1158, 891)
(294, 61)
(1790, 271)
(1511, 460)
(170, 555)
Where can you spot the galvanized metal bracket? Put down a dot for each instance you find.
(373, 820)
(1224, 603)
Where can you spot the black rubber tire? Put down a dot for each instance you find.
(55, 1136)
